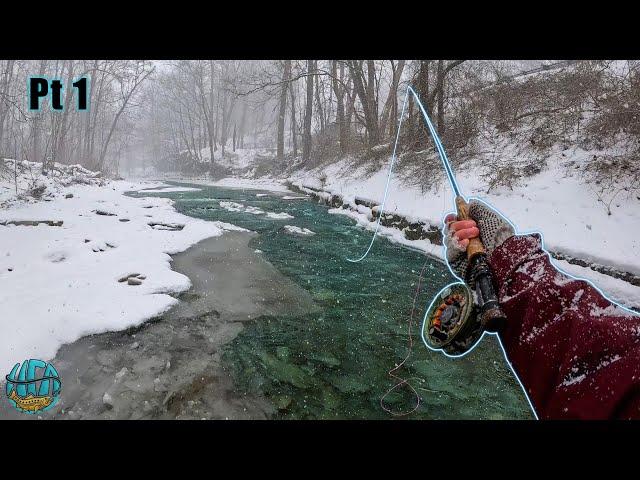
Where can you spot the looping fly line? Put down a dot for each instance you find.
(441, 152)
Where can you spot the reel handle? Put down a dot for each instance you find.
(475, 245)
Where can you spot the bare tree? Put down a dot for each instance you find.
(390, 109)
(339, 90)
(129, 82)
(293, 124)
(286, 78)
(308, 112)
(366, 91)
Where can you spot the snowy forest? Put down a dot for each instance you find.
(227, 239)
(192, 116)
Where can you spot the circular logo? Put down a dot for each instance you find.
(33, 386)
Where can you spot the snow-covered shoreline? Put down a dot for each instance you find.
(59, 283)
(270, 184)
(554, 202)
(563, 209)
(559, 206)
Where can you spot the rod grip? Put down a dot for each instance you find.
(475, 245)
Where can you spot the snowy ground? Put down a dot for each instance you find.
(59, 283)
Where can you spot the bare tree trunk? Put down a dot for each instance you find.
(294, 125)
(95, 109)
(423, 81)
(423, 92)
(308, 112)
(87, 116)
(440, 87)
(242, 123)
(366, 94)
(350, 108)
(286, 77)
(223, 129)
(59, 144)
(339, 92)
(438, 93)
(37, 118)
(255, 129)
(209, 114)
(440, 79)
(217, 124)
(5, 86)
(227, 110)
(183, 134)
(319, 105)
(137, 81)
(390, 109)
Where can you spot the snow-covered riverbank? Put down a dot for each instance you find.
(560, 206)
(271, 184)
(58, 283)
(555, 202)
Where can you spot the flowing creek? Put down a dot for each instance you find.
(333, 363)
(279, 325)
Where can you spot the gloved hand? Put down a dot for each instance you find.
(492, 227)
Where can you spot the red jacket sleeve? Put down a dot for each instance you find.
(576, 353)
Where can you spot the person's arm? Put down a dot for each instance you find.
(576, 353)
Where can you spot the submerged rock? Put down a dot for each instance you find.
(286, 372)
(107, 400)
(283, 353)
(350, 384)
(127, 276)
(326, 359)
(166, 226)
(282, 402)
(121, 373)
(33, 223)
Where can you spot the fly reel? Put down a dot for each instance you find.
(452, 322)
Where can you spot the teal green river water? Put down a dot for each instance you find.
(333, 364)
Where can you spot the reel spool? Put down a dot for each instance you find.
(452, 322)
